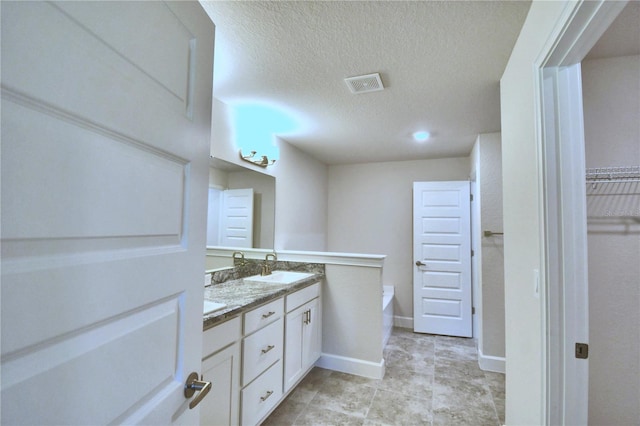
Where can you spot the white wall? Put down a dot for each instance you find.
(611, 93)
(487, 165)
(301, 186)
(352, 320)
(301, 201)
(370, 211)
(524, 338)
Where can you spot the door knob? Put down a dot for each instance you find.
(192, 385)
(419, 263)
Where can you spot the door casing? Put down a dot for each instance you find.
(561, 200)
(442, 243)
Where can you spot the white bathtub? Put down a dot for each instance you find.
(387, 313)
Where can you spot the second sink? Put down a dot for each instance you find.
(280, 277)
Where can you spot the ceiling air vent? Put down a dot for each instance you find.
(364, 83)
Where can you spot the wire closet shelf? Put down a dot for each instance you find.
(613, 174)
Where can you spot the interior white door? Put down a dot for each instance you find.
(106, 116)
(442, 256)
(236, 222)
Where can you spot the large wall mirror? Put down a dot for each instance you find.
(241, 209)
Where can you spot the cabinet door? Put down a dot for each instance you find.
(220, 407)
(303, 339)
(293, 363)
(312, 336)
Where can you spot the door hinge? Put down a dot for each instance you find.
(471, 197)
(473, 253)
(582, 350)
(473, 310)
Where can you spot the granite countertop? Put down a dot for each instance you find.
(241, 296)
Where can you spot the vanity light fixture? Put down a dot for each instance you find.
(260, 160)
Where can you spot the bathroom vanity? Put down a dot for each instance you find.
(258, 346)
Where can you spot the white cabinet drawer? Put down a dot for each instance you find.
(261, 349)
(301, 297)
(262, 395)
(220, 336)
(263, 315)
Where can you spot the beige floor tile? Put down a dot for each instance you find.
(286, 413)
(407, 382)
(390, 408)
(322, 416)
(343, 396)
(429, 380)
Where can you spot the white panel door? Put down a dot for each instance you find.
(106, 116)
(442, 256)
(236, 221)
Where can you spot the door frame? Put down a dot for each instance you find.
(464, 328)
(561, 198)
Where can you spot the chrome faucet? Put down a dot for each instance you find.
(266, 269)
(241, 258)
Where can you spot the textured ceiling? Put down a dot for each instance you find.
(440, 62)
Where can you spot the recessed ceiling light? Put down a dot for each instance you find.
(421, 136)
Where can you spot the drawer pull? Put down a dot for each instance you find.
(264, 398)
(268, 315)
(268, 348)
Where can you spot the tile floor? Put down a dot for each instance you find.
(429, 380)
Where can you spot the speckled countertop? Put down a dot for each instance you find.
(241, 296)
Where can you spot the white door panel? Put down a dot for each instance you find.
(105, 144)
(236, 222)
(442, 248)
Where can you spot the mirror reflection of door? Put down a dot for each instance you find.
(224, 175)
(230, 217)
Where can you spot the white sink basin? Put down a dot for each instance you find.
(280, 277)
(212, 306)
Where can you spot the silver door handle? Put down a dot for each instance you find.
(192, 385)
(419, 263)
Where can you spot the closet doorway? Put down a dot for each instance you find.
(611, 99)
(574, 230)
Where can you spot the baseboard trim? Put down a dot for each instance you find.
(354, 366)
(491, 363)
(403, 322)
